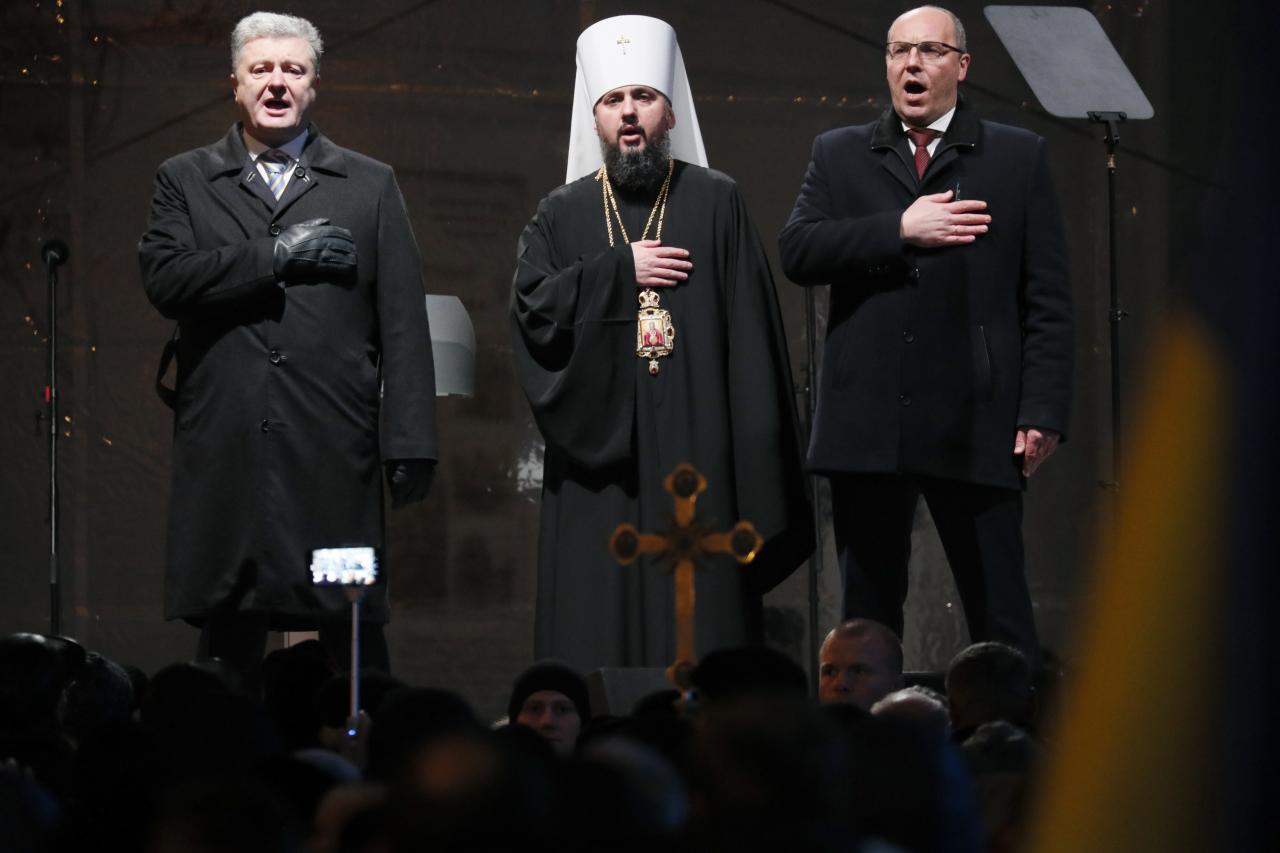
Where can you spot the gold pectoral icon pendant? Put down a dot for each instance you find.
(655, 333)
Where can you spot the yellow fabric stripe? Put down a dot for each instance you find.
(1128, 769)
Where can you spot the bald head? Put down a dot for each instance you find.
(925, 61)
(919, 705)
(860, 663)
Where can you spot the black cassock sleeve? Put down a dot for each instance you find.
(772, 491)
(573, 329)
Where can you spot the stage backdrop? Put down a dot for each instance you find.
(469, 101)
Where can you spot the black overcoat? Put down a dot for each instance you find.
(934, 357)
(279, 424)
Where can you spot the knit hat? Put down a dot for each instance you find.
(550, 675)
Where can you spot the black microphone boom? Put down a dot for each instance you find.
(55, 253)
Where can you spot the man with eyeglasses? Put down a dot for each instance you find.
(947, 367)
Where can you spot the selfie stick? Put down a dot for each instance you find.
(354, 594)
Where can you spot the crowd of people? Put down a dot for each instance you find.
(96, 754)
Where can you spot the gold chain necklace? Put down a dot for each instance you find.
(610, 202)
(655, 333)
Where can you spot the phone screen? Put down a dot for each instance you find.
(344, 566)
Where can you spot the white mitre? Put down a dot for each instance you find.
(629, 50)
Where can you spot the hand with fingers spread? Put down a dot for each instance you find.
(936, 220)
(658, 265)
(1034, 446)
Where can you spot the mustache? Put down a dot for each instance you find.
(631, 128)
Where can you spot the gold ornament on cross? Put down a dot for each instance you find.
(679, 546)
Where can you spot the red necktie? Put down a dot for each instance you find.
(922, 138)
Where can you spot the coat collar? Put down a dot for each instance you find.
(964, 130)
(225, 164)
(963, 134)
(229, 154)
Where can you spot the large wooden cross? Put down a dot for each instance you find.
(679, 546)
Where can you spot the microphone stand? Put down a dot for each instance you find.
(54, 253)
(815, 492)
(1116, 314)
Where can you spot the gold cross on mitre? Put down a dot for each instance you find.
(623, 41)
(683, 543)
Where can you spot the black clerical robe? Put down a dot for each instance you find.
(721, 402)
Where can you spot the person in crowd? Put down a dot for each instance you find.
(405, 719)
(552, 700)
(918, 703)
(860, 662)
(1002, 760)
(987, 682)
(727, 674)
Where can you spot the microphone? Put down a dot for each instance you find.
(55, 253)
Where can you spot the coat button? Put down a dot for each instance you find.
(274, 230)
(914, 275)
(299, 172)
(275, 357)
(908, 337)
(266, 425)
(904, 399)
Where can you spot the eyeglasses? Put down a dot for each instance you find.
(930, 51)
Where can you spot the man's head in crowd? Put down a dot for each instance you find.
(1002, 760)
(552, 700)
(860, 663)
(917, 704)
(988, 681)
(731, 673)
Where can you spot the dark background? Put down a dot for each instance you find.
(469, 101)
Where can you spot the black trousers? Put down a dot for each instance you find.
(981, 532)
(239, 638)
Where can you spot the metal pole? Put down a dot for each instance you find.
(51, 401)
(811, 408)
(1111, 121)
(353, 722)
(1117, 314)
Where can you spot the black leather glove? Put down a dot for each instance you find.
(315, 251)
(410, 480)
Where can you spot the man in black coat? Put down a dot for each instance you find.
(303, 351)
(947, 368)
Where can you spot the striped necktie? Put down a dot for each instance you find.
(275, 164)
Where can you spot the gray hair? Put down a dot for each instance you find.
(274, 25)
(961, 40)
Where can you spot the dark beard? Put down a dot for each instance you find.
(637, 170)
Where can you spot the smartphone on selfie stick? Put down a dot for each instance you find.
(353, 569)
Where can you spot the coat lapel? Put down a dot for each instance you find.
(251, 180)
(320, 160)
(895, 154)
(896, 157)
(235, 181)
(961, 138)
